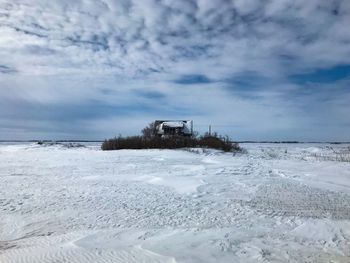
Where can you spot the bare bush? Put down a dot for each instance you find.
(173, 142)
(149, 131)
(150, 140)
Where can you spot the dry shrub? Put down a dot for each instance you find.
(173, 142)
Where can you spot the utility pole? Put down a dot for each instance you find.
(209, 130)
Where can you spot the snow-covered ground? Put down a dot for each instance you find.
(275, 203)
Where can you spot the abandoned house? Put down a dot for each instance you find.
(173, 127)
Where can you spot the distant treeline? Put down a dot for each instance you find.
(270, 142)
(51, 141)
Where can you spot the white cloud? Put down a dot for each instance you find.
(131, 36)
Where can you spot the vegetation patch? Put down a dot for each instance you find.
(150, 141)
(336, 155)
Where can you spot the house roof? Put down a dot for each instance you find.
(173, 124)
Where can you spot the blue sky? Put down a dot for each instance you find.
(254, 70)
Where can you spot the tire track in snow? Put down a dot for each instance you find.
(291, 198)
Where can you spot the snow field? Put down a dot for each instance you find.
(275, 203)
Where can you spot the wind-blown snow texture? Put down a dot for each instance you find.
(276, 203)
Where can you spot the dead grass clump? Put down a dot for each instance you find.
(336, 155)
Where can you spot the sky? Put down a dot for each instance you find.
(254, 70)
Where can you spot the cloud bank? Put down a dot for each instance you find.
(255, 70)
